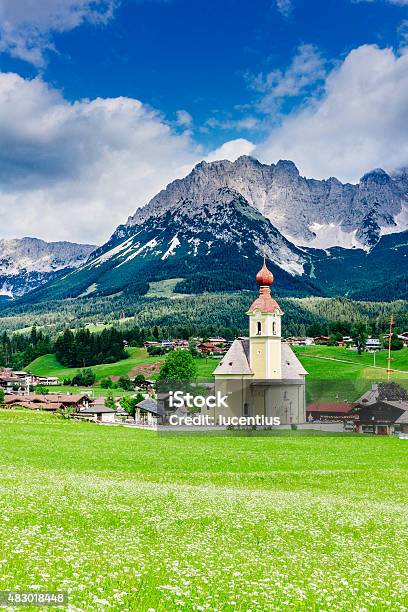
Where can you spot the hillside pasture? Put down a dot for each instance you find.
(138, 361)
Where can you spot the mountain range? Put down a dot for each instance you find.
(27, 263)
(209, 229)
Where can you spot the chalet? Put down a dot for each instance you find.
(330, 411)
(11, 383)
(47, 402)
(302, 341)
(149, 412)
(404, 338)
(217, 340)
(180, 344)
(383, 410)
(209, 348)
(321, 340)
(98, 413)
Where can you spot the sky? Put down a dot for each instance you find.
(104, 102)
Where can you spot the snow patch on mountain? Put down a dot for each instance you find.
(328, 235)
(174, 243)
(400, 223)
(291, 202)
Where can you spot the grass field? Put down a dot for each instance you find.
(337, 373)
(49, 366)
(334, 373)
(125, 519)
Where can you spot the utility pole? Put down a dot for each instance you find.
(389, 358)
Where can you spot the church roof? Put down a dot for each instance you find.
(237, 360)
(265, 303)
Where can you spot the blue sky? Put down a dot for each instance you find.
(202, 57)
(103, 102)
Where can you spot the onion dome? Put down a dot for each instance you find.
(264, 278)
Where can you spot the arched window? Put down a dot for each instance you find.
(258, 328)
(246, 410)
(274, 328)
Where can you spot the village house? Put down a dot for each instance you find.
(321, 340)
(209, 348)
(50, 402)
(302, 341)
(404, 338)
(383, 410)
(373, 344)
(217, 340)
(330, 411)
(149, 412)
(96, 412)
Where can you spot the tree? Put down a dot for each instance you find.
(360, 335)
(139, 380)
(192, 347)
(129, 403)
(125, 383)
(396, 343)
(110, 401)
(179, 366)
(85, 378)
(1, 395)
(106, 383)
(41, 390)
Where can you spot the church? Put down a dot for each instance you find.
(260, 374)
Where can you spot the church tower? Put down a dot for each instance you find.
(265, 330)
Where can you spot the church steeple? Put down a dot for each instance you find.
(264, 278)
(265, 330)
(264, 302)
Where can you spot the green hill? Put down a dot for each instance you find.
(138, 360)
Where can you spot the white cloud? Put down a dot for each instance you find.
(75, 171)
(358, 124)
(244, 123)
(26, 26)
(232, 150)
(183, 119)
(284, 7)
(306, 71)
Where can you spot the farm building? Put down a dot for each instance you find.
(51, 402)
(330, 411)
(97, 412)
(383, 410)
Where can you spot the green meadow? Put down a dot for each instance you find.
(334, 373)
(338, 374)
(124, 519)
(138, 358)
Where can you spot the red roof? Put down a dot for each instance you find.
(264, 302)
(341, 407)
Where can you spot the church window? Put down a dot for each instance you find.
(246, 410)
(259, 328)
(274, 328)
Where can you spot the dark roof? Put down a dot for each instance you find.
(151, 406)
(95, 410)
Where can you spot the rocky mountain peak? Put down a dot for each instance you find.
(308, 212)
